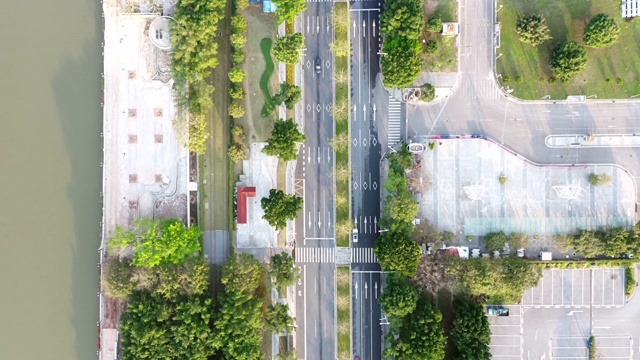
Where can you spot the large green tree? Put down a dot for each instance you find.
(602, 31)
(284, 140)
(288, 9)
(289, 94)
(532, 30)
(238, 323)
(402, 18)
(568, 60)
(470, 334)
(153, 327)
(161, 242)
(398, 298)
(495, 241)
(401, 207)
(278, 319)
(397, 252)
(280, 207)
(287, 48)
(421, 335)
(283, 270)
(401, 65)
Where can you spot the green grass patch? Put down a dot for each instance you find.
(446, 58)
(265, 48)
(344, 311)
(630, 282)
(566, 21)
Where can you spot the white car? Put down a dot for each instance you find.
(354, 235)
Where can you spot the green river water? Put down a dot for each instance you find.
(50, 149)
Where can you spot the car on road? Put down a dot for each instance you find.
(354, 235)
(318, 65)
(497, 311)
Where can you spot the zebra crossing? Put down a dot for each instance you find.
(395, 108)
(315, 255)
(486, 89)
(328, 255)
(363, 255)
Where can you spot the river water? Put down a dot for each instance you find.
(50, 178)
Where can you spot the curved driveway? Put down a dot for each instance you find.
(478, 106)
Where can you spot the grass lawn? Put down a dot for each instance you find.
(446, 58)
(344, 312)
(265, 48)
(566, 21)
(260, 26)
(342, 157)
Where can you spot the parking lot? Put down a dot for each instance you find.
(577, 288)
(607, 347)
(506, 342)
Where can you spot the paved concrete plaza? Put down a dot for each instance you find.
(466, 196)
(578, 288)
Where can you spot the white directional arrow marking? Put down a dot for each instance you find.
(365, 289)
(356, 289)
(319, 222)
(354, 112)
(364, 111)
(309, 219)
(375, 223)
(327, 24)
(356, 221)
(375, 287)
(374, 28)
(307, 24)
(363, 27)
(374, 112)
(354, 27)
(365, 221)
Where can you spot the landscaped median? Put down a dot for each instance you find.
(343, 275)
(610, 72)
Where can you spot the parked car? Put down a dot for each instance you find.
(497, 311)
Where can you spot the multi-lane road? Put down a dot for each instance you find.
(315, 229)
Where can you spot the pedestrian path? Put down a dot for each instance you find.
(363, 255)
(315, 255)
(395, 108)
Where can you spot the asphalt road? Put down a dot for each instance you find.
(368, 134)
(315, 229)
(478, 106)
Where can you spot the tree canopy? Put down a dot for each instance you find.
(398, 298)
(288, 9)
(280, 207)
(278, 319)
(287, 48)
(289, 94)
(402, 18)
(568, 60)
(533, 30)
(284, 139)
(495, 241)
(161, 242)
(401, 65)
(283, 271)
(153, 327)
(470, 334)
(602, 31)
(401, 207)
(421, 335)
(611, 242)
(397, 252)
(427, 92)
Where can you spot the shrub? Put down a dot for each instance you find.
(236, 110)
(568, 60)
(237, 57)
(630, 282)
(118, 279)
(427, 92)
(618, 81)
(236, 91)
(431, 47)
(241, 4)
(432, 145)
(236, 75)
(506, 79)
(518, 79)
(237, 131)
(602, 31)
(448, 235)
(607, 80)
(235, 152)
(502, 179)
(495, 241)
(599, 179)
(237, 40)
(434, 25)
(532, 30)
(552, 80)
(542, 80)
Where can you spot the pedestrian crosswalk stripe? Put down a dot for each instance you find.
(315, 255)
(363, 256)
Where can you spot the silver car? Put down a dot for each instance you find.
(354, 235)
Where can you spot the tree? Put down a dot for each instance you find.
(398, 298)
(118, 279)
(586, 243)
(518, 240)
(402, 18)
(153, 327)
(602, 31)
(427, 92)
(601, 179)
(236, 152)
(162, 242)
(241, 4)
(289, 94)
(237, 57)
(288, 9)
(568, 60)
(532, 30)
(278, 319)
(434, 25)
(238, 24)
(236, 75)
(396, 182)
(421, 335)
(236, 91)
(401, 160)
(431, 47)
(397, 252)
(284, 139)
(238, 40)
(287, 48)
(339, 47)
(495, 241)
(470, 334)
(401, 207)
(283, 270)
(280, 207)
(236, 110)
(401, 65)
(287, 355)
(238, 323)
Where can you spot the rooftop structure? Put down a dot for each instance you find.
(244, 192)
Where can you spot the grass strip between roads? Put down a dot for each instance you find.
(344, 312)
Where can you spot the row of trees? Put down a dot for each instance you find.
(569, 58)
(612, 242)
(236, 75)
(194, 51)
(401, 24)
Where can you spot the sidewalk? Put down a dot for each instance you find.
(593, 141)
